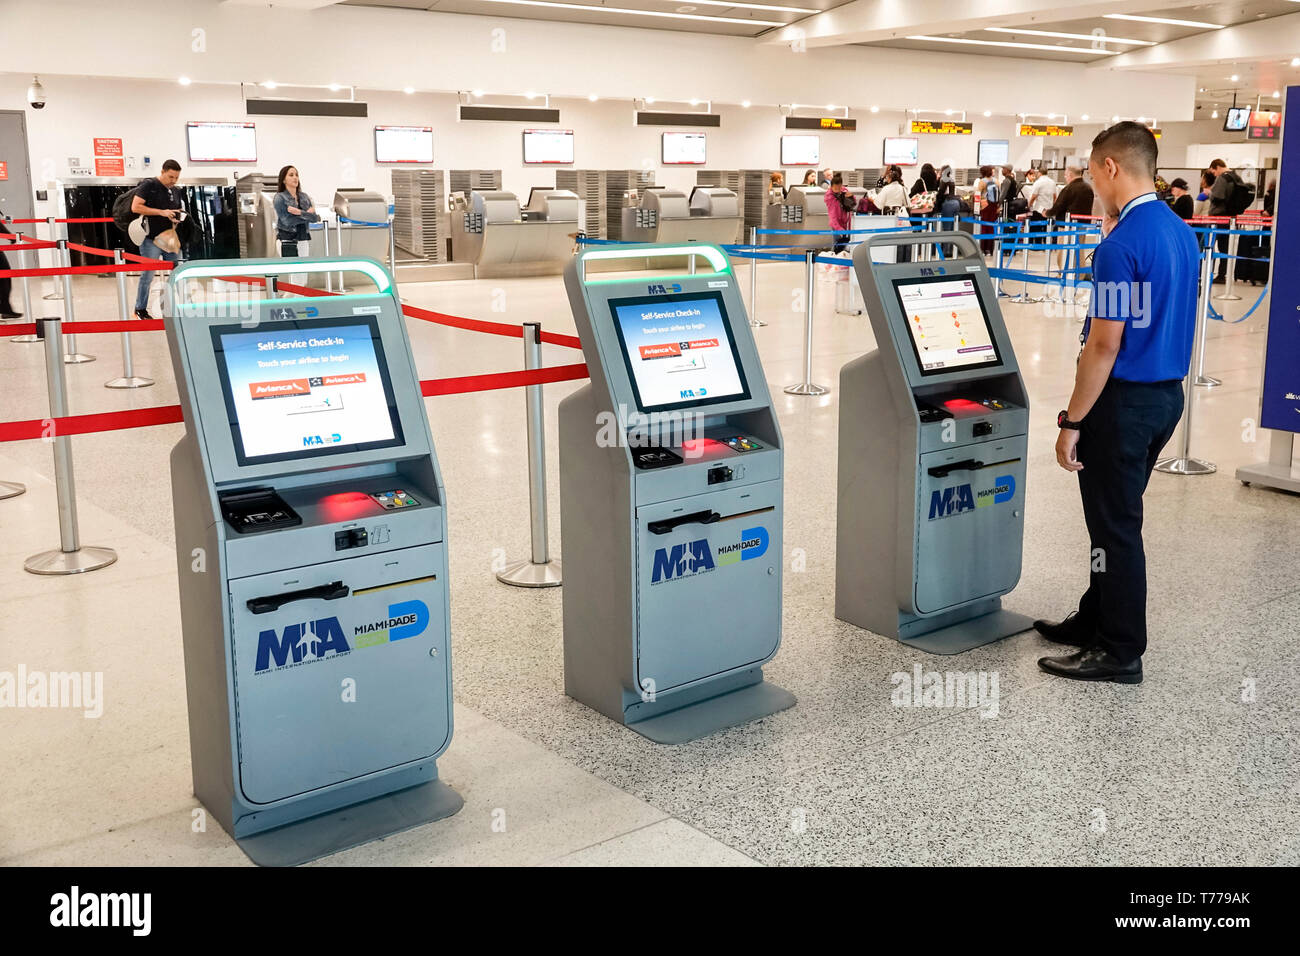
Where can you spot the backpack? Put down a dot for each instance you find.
(1241, 197)
(122, 215)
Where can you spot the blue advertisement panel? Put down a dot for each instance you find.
(1280, 400)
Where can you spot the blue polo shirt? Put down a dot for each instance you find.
(1145, 274)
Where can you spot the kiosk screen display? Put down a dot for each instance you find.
(947, 323)
(305, 388)
(679, 350)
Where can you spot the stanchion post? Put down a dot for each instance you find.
(128, 379)
(540, 571)
(1202, 329)
(392, 250)
(70, 557)
(807, 387)
(754, 321)
(53, 225)
(1185, 464)
(73, 357)
(329, 276)
(27, 301)
(1228, 295)
(338, 246)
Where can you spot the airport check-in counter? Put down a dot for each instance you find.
(932, 446)
(665, 215)
(804, 208)
(501, 239)
(312, 560)
(361, 205)
(671, 490)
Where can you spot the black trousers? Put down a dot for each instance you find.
(6, 284)
(1118, 445)
(1222, 242)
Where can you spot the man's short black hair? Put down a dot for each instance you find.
(1131, 145)
(1179, 183)
(170, 164)
(837, 180)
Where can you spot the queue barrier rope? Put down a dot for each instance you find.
(362, 222)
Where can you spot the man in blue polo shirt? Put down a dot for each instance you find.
(1127, 400)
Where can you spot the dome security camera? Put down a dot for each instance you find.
(36, 94)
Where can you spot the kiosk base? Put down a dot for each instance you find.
(970, 633)
(342, 829)
(705, 717)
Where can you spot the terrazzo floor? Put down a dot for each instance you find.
(1199, 764)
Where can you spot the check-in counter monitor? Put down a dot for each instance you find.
(933, 438)
(312, 557)
(671, 476)
(501, 239)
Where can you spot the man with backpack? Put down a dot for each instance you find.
(1230, 196)
(159, 201)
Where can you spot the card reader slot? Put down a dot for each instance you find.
(970, 464)
(697, 517)
(273, 602)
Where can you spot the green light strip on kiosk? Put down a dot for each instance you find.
(371, 269)
(711, 253)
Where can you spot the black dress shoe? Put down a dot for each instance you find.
(1093, 663)
(10, 315)
(142, 314)
(1069, 631)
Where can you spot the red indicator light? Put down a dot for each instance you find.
(961, 403)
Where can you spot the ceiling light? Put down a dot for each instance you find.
(1234, 78)
(776, 8)
(695, 102)
(587, 8)
(270, 84)
(1115, 118)
(476, 93)
(408, 90)
(1201, 90)
(1084, 117)
(1214, 115)
(1295, 61)
(687, 9)
(947, 112)
(1051, 116)
(745, 103)
(1019, 46)
(650, 100)
(1171, 22)
(1070, 36)
(592, 97)
(184, 81)
(988, 112)
(531, 95)
(875, 109)
(1277, 92)
(334, 87)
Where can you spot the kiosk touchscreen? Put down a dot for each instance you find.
(312, 555)
(932, 444)
(671, 478)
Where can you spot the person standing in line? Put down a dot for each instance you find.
(159, 201)
(927, 182)
(988, 193)
(836, 198)
(1225, 182)
(1074, 199)
(946, 203)
(1182, 204)
(6, 284)
(1126, 402)
(294, 211)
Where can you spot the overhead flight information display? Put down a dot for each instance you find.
(553, 146)
(221, 142)
(403, 144)
(304, 388)
(948, 327)
(679, 350)
(683, 149)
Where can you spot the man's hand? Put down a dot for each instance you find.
(173, 214)
(1067, 446)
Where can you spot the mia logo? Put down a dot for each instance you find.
(694, 392)
(311, 641)
(933, 271)
(697, 557)
(332, 439)
(283, 314)
(661, 289)
(958, 499)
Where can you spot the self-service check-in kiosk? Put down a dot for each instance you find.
(312, 553)
(671, 478)
(932, 445)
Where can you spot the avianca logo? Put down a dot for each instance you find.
(310, 641)
(959, 499)
(697, 557)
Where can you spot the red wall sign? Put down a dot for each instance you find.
(108, 166)
(4, 170)
(108, 147)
